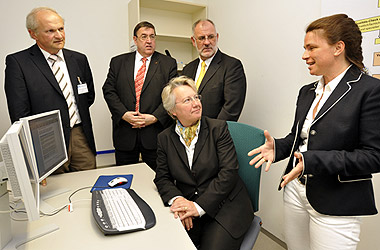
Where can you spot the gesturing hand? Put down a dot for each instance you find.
(265, 152)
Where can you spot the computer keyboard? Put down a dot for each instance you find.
(119, 210)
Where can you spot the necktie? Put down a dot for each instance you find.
(58, 73)
(139, 81)
(201, 74)
(316, 106)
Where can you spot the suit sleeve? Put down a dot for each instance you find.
(160, 113)
(16, 90)
(222, 185)
(164, 180)
(235, 86)
(111, 95)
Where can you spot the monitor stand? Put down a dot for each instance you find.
(9, 241)
(44, 194)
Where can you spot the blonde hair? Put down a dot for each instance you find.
(168, 98)
(31, 20)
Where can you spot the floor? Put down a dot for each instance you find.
(266, 241)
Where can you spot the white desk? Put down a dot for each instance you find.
(78, 229)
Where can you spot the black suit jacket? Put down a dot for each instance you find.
(222, 88)
(120, 95)
(213, 182)
(31, 88)
(343, 146)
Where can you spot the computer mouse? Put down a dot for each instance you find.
(117, 181)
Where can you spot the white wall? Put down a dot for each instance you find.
(268, 37)
(98, 29)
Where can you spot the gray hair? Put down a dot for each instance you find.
(203, 20)
(168, 98)
(31, 20)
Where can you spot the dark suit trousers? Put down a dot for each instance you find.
(132, 157)
(208, 234)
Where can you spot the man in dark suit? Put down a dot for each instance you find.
(223, 85)
(31, 86)
(197, 172)
(132, 91)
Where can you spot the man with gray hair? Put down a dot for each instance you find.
(48, 77)
(220, 79)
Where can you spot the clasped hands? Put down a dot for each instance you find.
(265, 153)
(139, 120)
(185, 210)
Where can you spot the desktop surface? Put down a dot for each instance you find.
(78, 229)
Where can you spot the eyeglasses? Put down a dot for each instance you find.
(143, 38)
(190, 99)
(202, 39)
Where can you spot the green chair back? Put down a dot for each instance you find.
(245, 139)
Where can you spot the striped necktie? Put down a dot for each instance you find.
(201, 74)
(58, 73)
(139, 81)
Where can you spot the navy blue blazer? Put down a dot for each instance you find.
(343, 145)
(31, 88)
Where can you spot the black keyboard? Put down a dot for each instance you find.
(119, 210)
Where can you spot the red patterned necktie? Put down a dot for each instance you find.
(139, 81)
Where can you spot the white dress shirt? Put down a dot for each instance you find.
(139, 63)
(62, 64)
(190, 156)
(207, 62)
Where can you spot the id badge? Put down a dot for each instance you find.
(82, 87)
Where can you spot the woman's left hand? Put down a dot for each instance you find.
(296, 171)
(183, 208)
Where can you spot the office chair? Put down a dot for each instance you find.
(245, 138)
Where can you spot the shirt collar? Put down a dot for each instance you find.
(208, 60)
(332, 84)
(178, 124)
(139, 57)
(47, 54)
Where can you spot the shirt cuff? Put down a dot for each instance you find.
(200, 210)
(170, 202)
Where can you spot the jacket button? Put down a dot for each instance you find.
(313, 132)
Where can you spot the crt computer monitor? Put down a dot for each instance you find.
(32, 149)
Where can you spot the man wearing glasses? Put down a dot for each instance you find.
(220, 79)
(132, 91)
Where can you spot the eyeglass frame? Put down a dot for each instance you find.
(144, 37)
(211, 38)
(190, 99)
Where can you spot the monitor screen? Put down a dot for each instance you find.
(32, 149)
(46, 140)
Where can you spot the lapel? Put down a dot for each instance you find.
(214, 66)
(192, 68)
(305, 103)
(339, 92)
(179, 147)
(153, 66)
(72, 67)
(129, 68)
(39, 60)
(202, 137)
